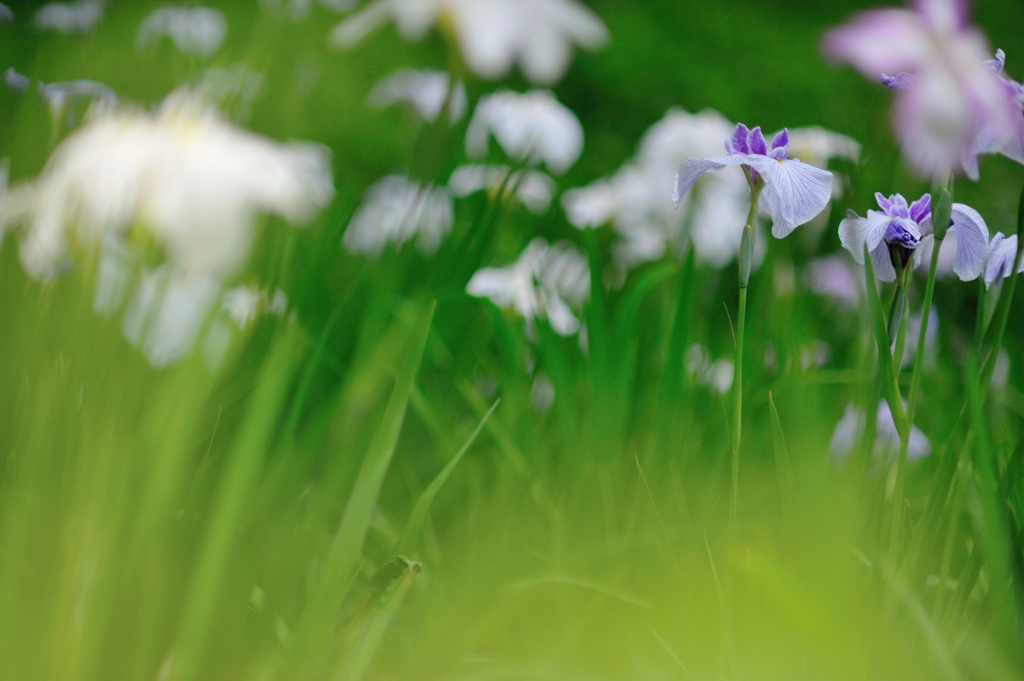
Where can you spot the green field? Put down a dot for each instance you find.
(382, 476)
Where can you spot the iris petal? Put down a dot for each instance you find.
(855, 232)
(794, 192)
(1002, 252)
(693, 168)
(972, 242)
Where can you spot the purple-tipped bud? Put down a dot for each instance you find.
(920, 209)
(780, 145)
(737, 144)
(756, 142)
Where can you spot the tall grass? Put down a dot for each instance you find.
(366, 489)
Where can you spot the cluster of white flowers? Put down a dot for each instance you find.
(703, 370)
(197, 31)
(70, 17)
(186, 178)
(531, 128)
(300, 8)
(398, 209)
(851, 427)
(426, 91)
(194, 181)
(492, 35)
(532, 188)
(546, 282)
(635, 200)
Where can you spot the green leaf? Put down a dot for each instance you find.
(353, 666)
(407, 542)
(783, 467)
(243, 467)
(886, 371)
(341, 564)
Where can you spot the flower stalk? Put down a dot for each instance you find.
(746, 257)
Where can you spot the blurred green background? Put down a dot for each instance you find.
(587, 542)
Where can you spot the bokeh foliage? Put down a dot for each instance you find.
(145, 511)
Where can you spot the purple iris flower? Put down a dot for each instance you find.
(894, 234)
(793, 192)
(986, 140)
(952, 105)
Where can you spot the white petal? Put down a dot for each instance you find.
(354, 29)
(855, 232)
(882, 263)
(1002, 252)
(971, 242)
(794, 192)
(693, 168)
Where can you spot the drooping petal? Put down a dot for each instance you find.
(1001, 254)
(693, 168)
(855, 232)
(884, 271)
(972, 242)
(794, 192)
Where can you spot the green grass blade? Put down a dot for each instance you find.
(624, 326)
(783, 467)
(355, 664)
(341, 564)
(996, 528)
(407, 542)
(240, 476)
(890, 387)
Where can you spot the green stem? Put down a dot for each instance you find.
(951, 532)
(901, 461)
(737, 406)
(922, 334)
(942, 214)
(980, 322)
(746, 256)
(1005, 298)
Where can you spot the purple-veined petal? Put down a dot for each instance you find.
(855, 232)
(794, 192)
(921, 208)
(971, 242)
(757, 143)
(781, 139)
(780, 145)
(901, 81)
(1001, 254)
(898, 226)
(737, 144)
(693, 168)
(883, 202)
(898, 206)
